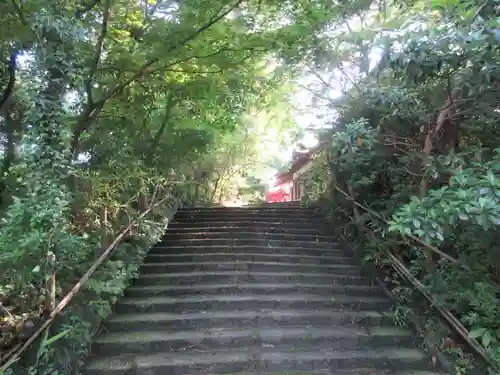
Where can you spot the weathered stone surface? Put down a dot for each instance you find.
(262, 290)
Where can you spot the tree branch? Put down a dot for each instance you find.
(11, 69)
(98, 51)
(318, 76)
(170, 104)
(86, 8)
(93, 111)
(316, 94)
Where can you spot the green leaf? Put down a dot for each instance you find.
(486, 339)
(478, 332)
(482, 201)
(57, 337)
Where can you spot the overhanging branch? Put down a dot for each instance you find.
(91, 112)
(11, 70)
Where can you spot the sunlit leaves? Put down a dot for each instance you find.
(152, 99)
(441, 58)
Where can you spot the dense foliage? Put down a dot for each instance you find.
(416, 139)
(106, 107)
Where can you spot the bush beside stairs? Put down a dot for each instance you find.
(262, 289)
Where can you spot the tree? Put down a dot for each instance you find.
(106, 107)
(426, 156)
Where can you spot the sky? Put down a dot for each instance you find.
(307, 112)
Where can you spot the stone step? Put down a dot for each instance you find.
(248, 301)
(244, 249)
(276, 204)
(355, 371)
(262, 223)
(248, 209)
(338, 269)
(228, 228)
(262, 235)
(285, 338)
(296, 220)
(258, 359)
(274, 318)
(247, 256)
(288, 203)
(232, 277)
(254, 288)
(266, 240)
(257, 213)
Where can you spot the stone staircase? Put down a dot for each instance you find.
(253, 290)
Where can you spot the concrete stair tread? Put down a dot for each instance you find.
(243, 301)
(248, 208)
(194, 263)
(230, 254)
(251, 297)
(357, 371)
(254, 227)
(261, 232)
(267, 247)
(277, 242)
(249, 314)
(341, 270)
(244, 276)
(270, 334)
(236, 277)
(250, 286)
(296, 220)
(263, 235)
(126, 362)
(249, 222)
(233, 217)
(241, 273)
(250, 265)
(250, 213)
(253, 241)
(272, 318)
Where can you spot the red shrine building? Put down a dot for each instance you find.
(288, 187)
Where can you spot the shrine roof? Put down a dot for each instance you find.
(301, 160)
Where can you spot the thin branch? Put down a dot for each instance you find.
(11, 69)
(315, 93)
(86, 8)
(169, 106)
(479, 9)
(98, 51)
(4, 309)
(318, 76)
(218, 71)
(186, 40)
(348, 77)
(20, 13)
(93, 111)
